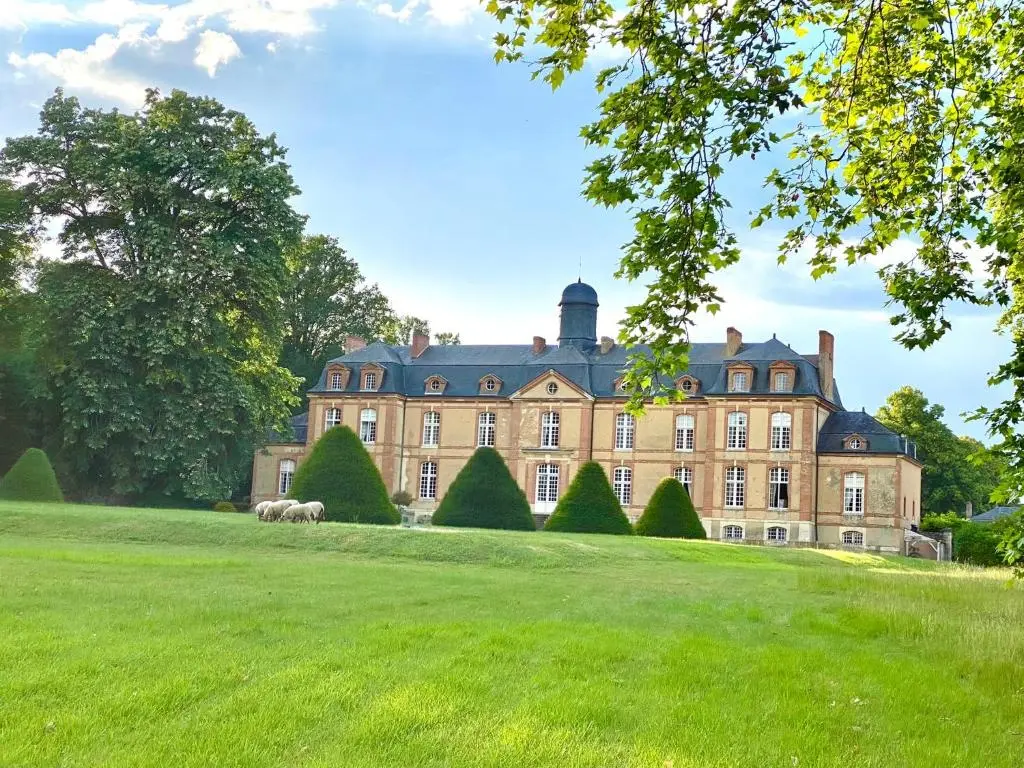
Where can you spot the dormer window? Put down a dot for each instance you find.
(781, 376)
(490, 385)
(369, 382)
(435, 385)
(335, 381)
(740, 382)
(856, 443)
(688, 385)
(337, 378)
(781, 382)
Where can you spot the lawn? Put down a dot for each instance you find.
(174, 638)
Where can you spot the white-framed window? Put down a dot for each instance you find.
(782, 431)
(547, 483)
(735, 487)
(853, 539)
(855, 444)
(335, 381)
(625, 429)
(332, 417)
(684, 432)
(428, 480)
(687, 386)
(549, 423)
(485, 430)
(740, 381)
(685, 477)
(733, 532)
(368, 426)
(853, 493)
(552, 388)
(431, 428)
(369, 381)
(622, 484)
(434, 386)
(776, 533)
(778, 488)
(285, 475)
(736, 433)
(781, 381)
(490, 385)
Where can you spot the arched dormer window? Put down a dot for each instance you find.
(781, 376)
(855, 443)
(337, 378)
(490, 385)
(688, 385)
(435, 385)
(371, 376)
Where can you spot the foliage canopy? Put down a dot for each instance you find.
(485, 495)
(670, 513)
(589, 505)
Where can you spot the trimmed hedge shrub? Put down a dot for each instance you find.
(31, 479)
(401, 498)
(485, 495)
(340, 473)
(670, 514)
(589, 505)
(224, 506)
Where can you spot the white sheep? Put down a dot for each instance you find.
(261, 508)
(277, 509)
(316, 511)
(298, 513)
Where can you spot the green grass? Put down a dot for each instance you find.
(172, 638)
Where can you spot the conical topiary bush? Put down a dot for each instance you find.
(340, 473)
(589, 505)
(485, 495)
(31, 479)
(670, 513)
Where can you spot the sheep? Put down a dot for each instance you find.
(261, 508)
(316, 511)
(297, 513)
(277, 508)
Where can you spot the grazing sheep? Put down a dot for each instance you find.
(261, 508)
(298, 513)
(317, 511)
(273, 513)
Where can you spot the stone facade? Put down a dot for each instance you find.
(441, 424)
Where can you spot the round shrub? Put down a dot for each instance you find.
(589, 505)
(485, 495)
(670, 514)
(340, 473)
(401, 498)
(224, 506)
(977, 544)
(31, 479)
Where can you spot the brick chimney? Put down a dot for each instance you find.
(826, 346)
(420, 342)
(733, 341)
(539, 344)
(607, 344)
(352, 343)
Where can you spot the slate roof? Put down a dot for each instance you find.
(299, 428)
(996, 513)
(463, 366)
(880, 439)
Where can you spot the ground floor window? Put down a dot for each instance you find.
(776, 533)
(622, 484)
(778, 488)
(853, 538)
(428, 480)
(286, 472)
(732, 532)
(685, 477)
(547, 483)
(735, 487)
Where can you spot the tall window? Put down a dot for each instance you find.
(286, 472)
(333, 417)
(735, 487)
(853, 493)
(776, 533)
(778, 488)
(549, 430)
(431, 428)
(684, 432)
(336, 381)
(370, 381)
(625, 427)
(485, 430)
(622, 484)
(685, 476)
(853, 538)
(782, 431)
(782, 382)
(733, 532)
(428, 480)
(547, 483)
(368, 426)
(739, 382)
(737, 431)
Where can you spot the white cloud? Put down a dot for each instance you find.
(90, 69)
(214, 49)
(402, 15)
(452, 13)
(272, 46)
(18, 14)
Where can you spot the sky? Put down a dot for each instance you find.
(455, 183)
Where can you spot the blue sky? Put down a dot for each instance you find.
(455, 183)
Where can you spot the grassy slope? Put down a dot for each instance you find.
(154, 638)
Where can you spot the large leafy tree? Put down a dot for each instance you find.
(326, 301)
(908, 123)
(956, 470)
(161, 326)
